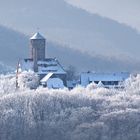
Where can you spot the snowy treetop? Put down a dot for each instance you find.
(79, 114)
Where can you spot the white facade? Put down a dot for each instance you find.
(107, 79)
(55, 83)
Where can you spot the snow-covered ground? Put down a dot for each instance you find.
(79, 114)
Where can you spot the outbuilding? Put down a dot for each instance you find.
(108, 80)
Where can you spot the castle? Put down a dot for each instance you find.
(52, 74)
(50, 71)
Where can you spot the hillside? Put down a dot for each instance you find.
(124, 11)
(12, 45)
(72, 27)
(15, 46)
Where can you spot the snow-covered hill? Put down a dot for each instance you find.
(80, 114)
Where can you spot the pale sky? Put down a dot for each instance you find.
(124, 11)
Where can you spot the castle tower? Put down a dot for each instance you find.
(37, 43)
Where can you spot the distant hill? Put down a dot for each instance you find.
(12, 45)
(72, 27)
(15, 46)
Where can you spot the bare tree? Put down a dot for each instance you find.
(71, 73)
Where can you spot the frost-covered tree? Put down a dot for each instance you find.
(28, 80)
(80, 114)
(71, 73)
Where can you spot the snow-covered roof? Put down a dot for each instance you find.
(49, 65)
(88, 77)
(37, 36)
(46, 78)
(106, 76)
(100, 84)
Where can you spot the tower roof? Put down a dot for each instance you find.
(37, 36)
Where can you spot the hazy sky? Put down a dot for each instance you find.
(124, 11)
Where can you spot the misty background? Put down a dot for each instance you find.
(75, 34)
(123, 11)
